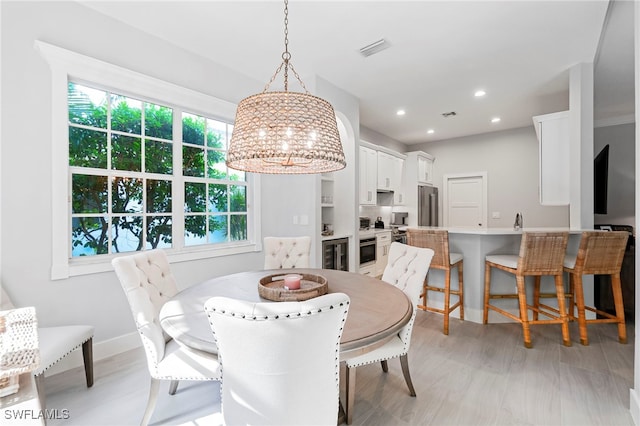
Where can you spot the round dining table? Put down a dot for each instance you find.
(377, 310)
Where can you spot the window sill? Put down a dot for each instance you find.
(88, 266)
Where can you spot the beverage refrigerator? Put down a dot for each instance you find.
(335, 254)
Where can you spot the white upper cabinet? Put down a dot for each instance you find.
(368, 175)
(386, 172)
(419, 167)
(399, 198)
(553, 138)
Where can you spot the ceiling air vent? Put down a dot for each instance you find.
(449, 114)
(374, 47)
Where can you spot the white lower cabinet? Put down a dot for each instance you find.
(383, 244)
(368, 270)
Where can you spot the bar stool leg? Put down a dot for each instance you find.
(447, 299)
(460, 290)
(536, 296)
(524, 316)
(576, 282)
(566, 339)
(424, 295)
(487, 295)
(616, 288)
(571, 309)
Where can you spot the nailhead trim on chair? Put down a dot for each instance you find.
(71, 350)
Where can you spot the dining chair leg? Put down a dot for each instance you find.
(87, 355)
(151, 403)
(524, 316)
(447, 300)
(487, 294)
(566, 339)
(536, 296)
(350, 385)
(616, 288)
(385, 365)
(460, 290)
(582, 319)
(404, 363)
(173, 387)
(40, 390)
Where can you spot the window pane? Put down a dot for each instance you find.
(127, 234)
(195, 230)
(236, 175)
(89, 194)
(87, 148)
(158, 196)
(193, 161)
(218, 229)
(238, 198)
(159, 157)
(126, 195)
(217, 198)
(158, 232)
(216, 134)
(126, 114)
(193, 129)
(158, 121)
(238, 225)
(89, 236)
(126, 153)
(195, 197)
(87, 106)
(216, 166)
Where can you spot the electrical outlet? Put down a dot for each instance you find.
(495, 215)
(295, 220)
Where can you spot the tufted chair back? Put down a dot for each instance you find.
(284, 370)
(286, 253)
(406, 269)
(148, 283)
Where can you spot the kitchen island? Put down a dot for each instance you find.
(475, 244)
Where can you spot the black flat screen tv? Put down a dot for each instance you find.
(600, 181)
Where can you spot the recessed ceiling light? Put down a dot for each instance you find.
(480, 93)
(495, 119)
(430, 131)
(401, 112)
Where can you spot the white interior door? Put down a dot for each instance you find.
(465, 200)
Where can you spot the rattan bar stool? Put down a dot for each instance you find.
(600, 253)
(438, 241)
(541, 253)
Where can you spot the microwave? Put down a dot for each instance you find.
(365, 222)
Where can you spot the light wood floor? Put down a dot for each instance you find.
(478, 375)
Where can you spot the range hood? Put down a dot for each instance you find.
(384, 198)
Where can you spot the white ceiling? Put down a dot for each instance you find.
(441, 52)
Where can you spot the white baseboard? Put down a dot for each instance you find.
(634, 406)
(101, 350)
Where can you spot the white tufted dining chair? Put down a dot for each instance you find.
(148, 283)
(406, 269)
(55, 343)
(286, 252)
(280, 361)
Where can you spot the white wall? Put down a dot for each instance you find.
(510, 158)
(26, 151)
(621, 193)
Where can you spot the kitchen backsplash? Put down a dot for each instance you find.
(373, 212)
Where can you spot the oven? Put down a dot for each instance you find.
(367, 251)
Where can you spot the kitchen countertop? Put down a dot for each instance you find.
(496, 231)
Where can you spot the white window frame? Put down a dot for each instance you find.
(66, 65)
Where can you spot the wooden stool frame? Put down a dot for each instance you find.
(438, 241)
(600, 253)
(541, 253)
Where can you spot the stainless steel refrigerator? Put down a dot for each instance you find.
(427, 206)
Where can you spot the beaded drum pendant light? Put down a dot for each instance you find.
(285, 132)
